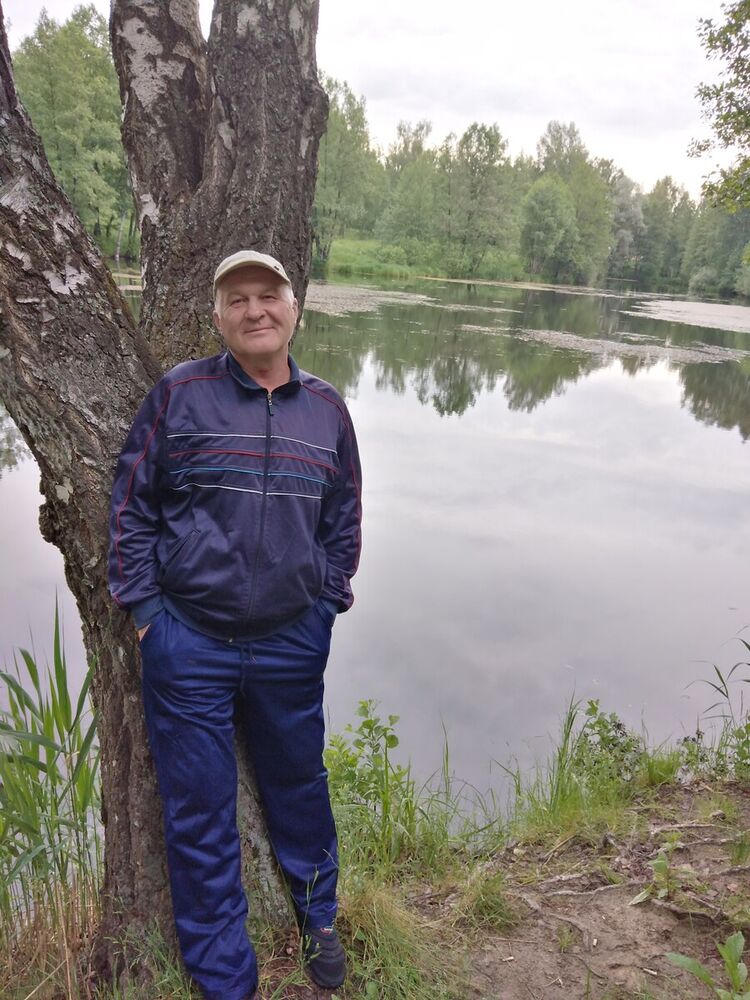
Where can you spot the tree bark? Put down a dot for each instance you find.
(221, 140)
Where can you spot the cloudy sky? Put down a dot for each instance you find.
(624, 71)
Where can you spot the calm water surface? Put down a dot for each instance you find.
(542, 519)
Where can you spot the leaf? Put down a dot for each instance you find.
(641, 897)
(691, 965)
(23, 696)
(84, 748)
(37, 738)
(28, 659)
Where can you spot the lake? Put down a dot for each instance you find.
(556, 504)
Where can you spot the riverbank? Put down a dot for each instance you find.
(605, 859)
(547, 918)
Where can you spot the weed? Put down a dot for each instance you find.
(484, 904)
(388, 824)
(394, 954)
(565, 938)
(739, 849)
(666, 878)
(736, 970)
(716, 806)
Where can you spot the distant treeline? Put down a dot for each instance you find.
(462, 208)
(465, 209)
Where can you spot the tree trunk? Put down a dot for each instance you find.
(221, 140)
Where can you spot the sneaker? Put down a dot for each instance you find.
(324, 956)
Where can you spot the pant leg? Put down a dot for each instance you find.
(189, 686)
(283, 702)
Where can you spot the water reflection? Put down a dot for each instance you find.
(514, 552)
(12, 446)
(450, 352)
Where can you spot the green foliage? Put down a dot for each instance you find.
(549, 232)
(666, 879)
(726, 104)
(12, 446)
(387, 824)
(605, 749)
(67, 81)
(736, 970)
(50, 849)
(731, 755)
(350, 176)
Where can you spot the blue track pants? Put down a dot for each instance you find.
(192, 686)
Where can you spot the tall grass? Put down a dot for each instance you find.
(50, 844)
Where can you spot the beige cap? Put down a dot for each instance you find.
(244, 257)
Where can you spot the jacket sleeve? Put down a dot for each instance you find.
(136, 512)
(341, 520)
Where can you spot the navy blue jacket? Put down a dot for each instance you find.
(236, 508)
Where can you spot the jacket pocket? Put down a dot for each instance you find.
(175, 555)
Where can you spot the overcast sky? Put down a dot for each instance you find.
(625, 71)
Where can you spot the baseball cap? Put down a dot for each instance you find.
(244, 257)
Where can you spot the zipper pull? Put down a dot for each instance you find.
(270, 401)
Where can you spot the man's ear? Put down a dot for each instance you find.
(217, 321)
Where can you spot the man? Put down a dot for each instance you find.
(235, 532)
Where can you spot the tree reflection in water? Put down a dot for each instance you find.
(449, 358)
(12, 447)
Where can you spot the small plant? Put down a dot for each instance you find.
(363, 778)
(736, 970)
(565, 938)
(605, 746)
(665, 881)
(733, 750)
(739, 849)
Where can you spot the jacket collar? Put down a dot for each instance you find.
(238, 372)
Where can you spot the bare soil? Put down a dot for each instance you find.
(578, 934)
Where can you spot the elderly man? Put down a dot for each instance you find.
(235, 532)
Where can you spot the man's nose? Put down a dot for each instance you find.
(254, 306)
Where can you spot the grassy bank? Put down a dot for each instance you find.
(440, 887)
(351, 257)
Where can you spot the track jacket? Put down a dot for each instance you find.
(234, 507)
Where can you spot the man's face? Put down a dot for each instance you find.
(256, 313)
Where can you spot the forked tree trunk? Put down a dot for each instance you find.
(221, 140)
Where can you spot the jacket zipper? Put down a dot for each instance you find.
(263, 502)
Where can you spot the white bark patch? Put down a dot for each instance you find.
(19, 254)
(65, 491)
(226, 134)
(148, 209)
(303, 144)
(182, 13)
(4, 352)
(17, 195)
(295, 19)
(67, 283)
(63, 226)
(148, 72)
(248, 20)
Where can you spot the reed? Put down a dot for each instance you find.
(50, 836)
